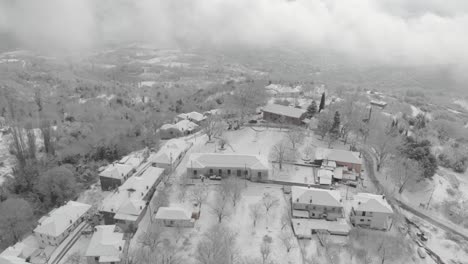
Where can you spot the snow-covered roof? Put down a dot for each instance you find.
(116, 171)
(379, 103)
(23, 249)
(131, 193)
(338, 173)
(217, 160)
(170, 151)
(173, 213)
(316, 196)
(106, 243)
(284, 110)
(134, 160)
(183, 125)
(369, 202)
(58, 220)
(12, 260)
(193, 116)
(338, 155)
(325, 177)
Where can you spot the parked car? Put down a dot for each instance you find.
(253, 121)
(215, 178)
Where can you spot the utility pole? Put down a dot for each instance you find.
(430, 198)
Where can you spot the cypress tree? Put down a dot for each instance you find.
(322, 103)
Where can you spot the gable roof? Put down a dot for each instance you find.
(371, 203)
(128, 199)
(116, 171)
(317, 196)
(173, 213)
(173, 148)
(195, 116)
(12, 260)
(218, 160)
(106, 242)
(284, 110)
(183, 125)
(337, 155)
(58, 220)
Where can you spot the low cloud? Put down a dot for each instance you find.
(409, 32)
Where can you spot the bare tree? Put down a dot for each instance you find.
(281, 153)
(199, 194)
(183, 184)
(256, 211)
(75, 258)
(324, 123)
(295, 137)
(287, 239)
(152, 237)
(384, 143)
(246, 98)
(265, 251)
(286, 217)
(233, 187)
(217, 245)
(220, 207)
(269, 202)
(403, 171)
(213, 126)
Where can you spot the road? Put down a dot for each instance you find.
(449, 227)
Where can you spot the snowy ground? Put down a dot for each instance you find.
(7, 160)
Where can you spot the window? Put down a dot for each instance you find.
(246, 173)
(313, 214)
(364, 213)
(96, 258)
(229, 172)
(211, 171)
(259, 174)
(195, 172)
(362, 220)
(220, 171)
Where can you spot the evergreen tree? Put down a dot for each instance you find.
(335, 129)
(322, 103)
(312, 109)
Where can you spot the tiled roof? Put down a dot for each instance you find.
(337, 155)
(371, 203)
(173, 213)
(284, 110)
(216, 160)
(317, 196)
(58, 220)
(116, 171)
(106, 242)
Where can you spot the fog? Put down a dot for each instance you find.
(389, 31)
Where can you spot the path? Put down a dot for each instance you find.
(449, 227)
(67, 243)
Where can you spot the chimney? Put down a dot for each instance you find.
(147, 187)
(310, 201)
(383, 197)
(359, 203)
(141, 207)
(297, 200)
(120, 248)
(71, 222)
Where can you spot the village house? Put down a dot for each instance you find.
(106, 246)
(174, 217)
(179, 129)
(134, 159)
(195, 117)
(278, 90)
(125, 205)
(22, 252)
(283, 114)
(170, 155)
(60, 222)
(324, 177)
(316, 203)
(344, 158)
(115, 175)
(372, 211)
(250, 167)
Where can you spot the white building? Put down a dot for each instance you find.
(192, 116)
(170, 154)
(371, 210)
(175, 217)
(316, 203)
(106, 246)
(124, 207)
(115, 175)
(241, 165)
(59, 223)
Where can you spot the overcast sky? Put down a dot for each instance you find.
(390, 31)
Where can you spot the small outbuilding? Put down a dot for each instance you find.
(175, 217)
